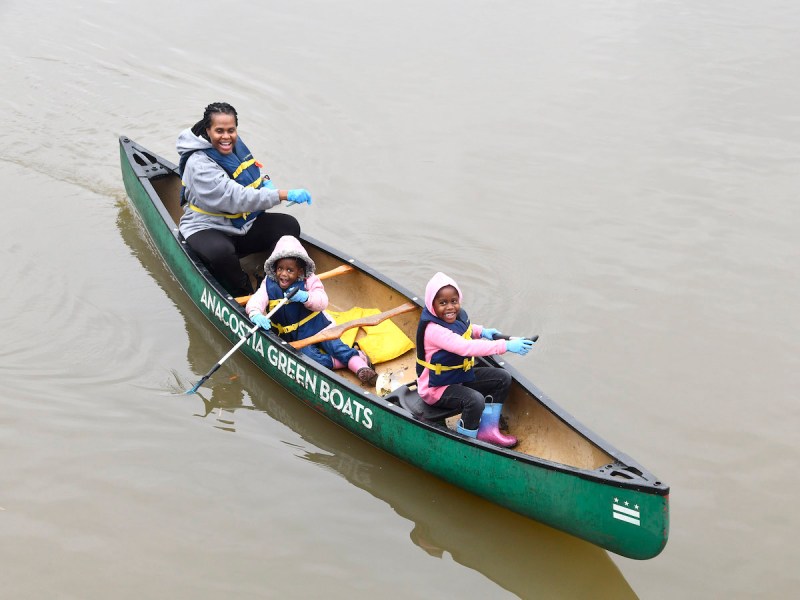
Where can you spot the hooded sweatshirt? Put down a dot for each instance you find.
(210, 188)
(440, 338)
(290, 247)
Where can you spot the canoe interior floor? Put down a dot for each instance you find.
(397, 367)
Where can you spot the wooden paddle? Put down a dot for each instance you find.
(333, 333)
(340, 270)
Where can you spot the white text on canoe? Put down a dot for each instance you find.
(288, 365)
(327, 393)
(230, 320)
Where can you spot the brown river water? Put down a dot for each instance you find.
(620, 177)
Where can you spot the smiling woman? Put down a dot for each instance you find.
(225, 196)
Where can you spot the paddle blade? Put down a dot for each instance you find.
(196, 386)
(204, 378)
(333, 333)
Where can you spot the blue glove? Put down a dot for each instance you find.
(298, 196)
(261, 320)
(299, 296)
(519, 346)
(267, 183)
(489, 333)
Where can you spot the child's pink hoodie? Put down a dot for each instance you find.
(290, 247)
(440, 338)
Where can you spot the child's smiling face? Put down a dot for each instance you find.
(287, 270)
(446, 304)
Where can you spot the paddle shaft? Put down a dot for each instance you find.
(500, 336)
(336, 332)
(238, 344)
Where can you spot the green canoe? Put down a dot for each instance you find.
(561, 473)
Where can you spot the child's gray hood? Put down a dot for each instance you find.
(289, 247)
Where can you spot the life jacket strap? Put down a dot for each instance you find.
(282, 329)
(439, 368)
(256, 184)
(242, 167)
(466, 365)
(213, 214)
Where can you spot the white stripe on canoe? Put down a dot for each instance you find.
(626, 519)
(627, 511)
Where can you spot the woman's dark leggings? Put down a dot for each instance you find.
(221, 252)
(489, 381)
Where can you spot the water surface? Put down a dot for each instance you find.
(619, 178)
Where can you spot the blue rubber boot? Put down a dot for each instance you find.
(488, 430)
(467, 432)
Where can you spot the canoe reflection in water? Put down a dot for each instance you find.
(527, 558)
(520, 555)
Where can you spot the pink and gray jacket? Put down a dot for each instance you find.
(290, 247)
(438, 337)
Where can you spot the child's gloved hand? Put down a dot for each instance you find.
(300, 196)
(519, 346)
(261, 320)
(489, 333)
(267, 183)
(299, 296)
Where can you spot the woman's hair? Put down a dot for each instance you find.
(212, 109)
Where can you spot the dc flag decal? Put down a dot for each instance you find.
(623, 512)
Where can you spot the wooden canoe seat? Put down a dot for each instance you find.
(409, 399)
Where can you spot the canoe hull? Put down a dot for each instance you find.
(626, 513)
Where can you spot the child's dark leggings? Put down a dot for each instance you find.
(220, 251)
(489, 381)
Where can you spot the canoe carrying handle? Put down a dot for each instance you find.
(621, 471)
(145, 164)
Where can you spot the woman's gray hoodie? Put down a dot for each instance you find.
(209, 188)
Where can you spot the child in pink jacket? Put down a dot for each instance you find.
(290, 267)
(447, 344)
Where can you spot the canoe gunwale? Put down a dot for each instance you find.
(646, 481)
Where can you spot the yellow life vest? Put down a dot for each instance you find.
(294, 326)
(438, 368)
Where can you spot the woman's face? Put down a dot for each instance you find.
(222, 132)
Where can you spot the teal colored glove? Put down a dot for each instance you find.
(519, 346)
(299, 296)
(300, 196)
(267, 183)
(261, 320)
(489, 333)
